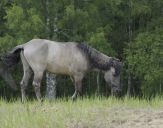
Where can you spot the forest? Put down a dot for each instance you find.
(131, 30)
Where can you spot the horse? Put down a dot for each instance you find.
(68, 58)
(6, 75)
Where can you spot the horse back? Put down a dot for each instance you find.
(56, 57)
(66, 58)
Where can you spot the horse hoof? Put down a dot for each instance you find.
(73, 99)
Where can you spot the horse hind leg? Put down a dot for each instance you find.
(26, 76)
(37, 83)
(24, 83)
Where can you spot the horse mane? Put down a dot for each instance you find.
(99, 60)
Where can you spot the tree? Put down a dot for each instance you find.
(145, 60)
(51, 86)
(121, 28)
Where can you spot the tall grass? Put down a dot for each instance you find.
(63, 113)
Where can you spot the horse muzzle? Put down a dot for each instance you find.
(116, 91)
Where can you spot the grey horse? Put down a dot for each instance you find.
(5, 74)
(69, 58)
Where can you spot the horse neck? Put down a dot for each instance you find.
(101, 62)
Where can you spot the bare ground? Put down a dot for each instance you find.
(87, 113)
(120, 118)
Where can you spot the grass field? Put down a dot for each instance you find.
(85, 113)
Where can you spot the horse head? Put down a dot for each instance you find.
(112, 77)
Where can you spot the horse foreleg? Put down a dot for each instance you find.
(74, 96)
(23, 88)
(78, 86)
(37, 84)
(37, 90)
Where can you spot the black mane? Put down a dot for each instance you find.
(99, 60)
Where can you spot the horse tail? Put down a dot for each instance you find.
(13, 57)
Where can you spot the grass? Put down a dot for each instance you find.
(96, 112)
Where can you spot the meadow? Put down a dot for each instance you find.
(97, 112)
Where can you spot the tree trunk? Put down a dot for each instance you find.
(50, 78)
(129, 85)
(98, 83)
(160, 87)
(51, 86)
(130, 39)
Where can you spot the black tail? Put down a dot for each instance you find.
(13, 57)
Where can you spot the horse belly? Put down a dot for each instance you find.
(58, 69)
(57, 63)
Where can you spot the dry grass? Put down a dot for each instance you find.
(86, 113)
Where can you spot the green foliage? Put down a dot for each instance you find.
(130, 30)
(75, 23)
(24, 25)
(3, 4)
(145, 59)
(6, 43)
(98, 41)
